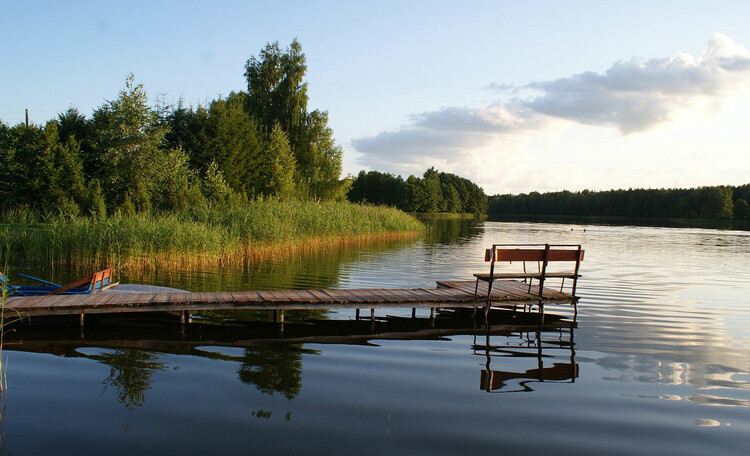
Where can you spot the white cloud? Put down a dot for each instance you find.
(631, 96)
(638, 95)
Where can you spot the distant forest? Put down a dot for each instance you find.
(434, 192)
(709, 203)
(130, 156)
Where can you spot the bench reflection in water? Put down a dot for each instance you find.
(536, 347)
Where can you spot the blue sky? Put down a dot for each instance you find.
(515, 95)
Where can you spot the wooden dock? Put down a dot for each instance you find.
(447, 294)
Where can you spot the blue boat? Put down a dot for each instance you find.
(95, 282)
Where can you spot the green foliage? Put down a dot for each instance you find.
(277, 92)
(432, 200)
(319, 159)
(93, 203)
(169, 177)
(234, 143)
(278, 176)
(712, 203)
(131, 157)
(435, 192)
(127, 137)
(127, 207)
(378, 188)
(277, 96)
(215, 187)
(38, 169)
(741, 210)
(451, 198)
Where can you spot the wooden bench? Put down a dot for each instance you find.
(542, 254)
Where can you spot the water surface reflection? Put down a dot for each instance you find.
(659, 361)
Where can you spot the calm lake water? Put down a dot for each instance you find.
(658, 361)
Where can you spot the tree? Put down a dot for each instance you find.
(279, 166)
(717, 203)
(9, 169)
(378, 188)
(127, 135)
(277, 92)
(416, 194)
(319, 160)
(741, 210)
(277, 95)
(39, 170)
(451, 198)
(433, 198)
(170, 178)
(214, 186)
(233, 141)
(74, 124)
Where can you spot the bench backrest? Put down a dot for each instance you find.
(534, 254)
(100, 279)
(95, 281)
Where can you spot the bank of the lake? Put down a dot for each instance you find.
(201, 237)
(743, 225)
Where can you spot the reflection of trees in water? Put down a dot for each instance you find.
(130, 372)
(274, 368)
(452, 230)
(271, 369)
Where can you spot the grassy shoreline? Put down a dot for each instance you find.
(230, 235)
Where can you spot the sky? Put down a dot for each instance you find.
(517, 96)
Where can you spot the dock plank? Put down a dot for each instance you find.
(321, 295)
(449, 293)
(246, 296)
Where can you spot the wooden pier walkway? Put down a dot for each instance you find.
(447, 294)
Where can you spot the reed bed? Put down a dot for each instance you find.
(203, 236)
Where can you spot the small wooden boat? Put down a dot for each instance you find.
(97, 281)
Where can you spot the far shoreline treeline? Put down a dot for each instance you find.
(724, 202)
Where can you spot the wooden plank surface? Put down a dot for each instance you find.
(456, 293)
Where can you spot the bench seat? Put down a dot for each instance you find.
(525, 275)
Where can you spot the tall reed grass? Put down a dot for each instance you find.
(202, 236)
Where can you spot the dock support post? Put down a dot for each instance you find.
(541, 313)
(356, 314)
(413, 312)
(432, 317)
(80, 320)
(539, 361)
(184, 317)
